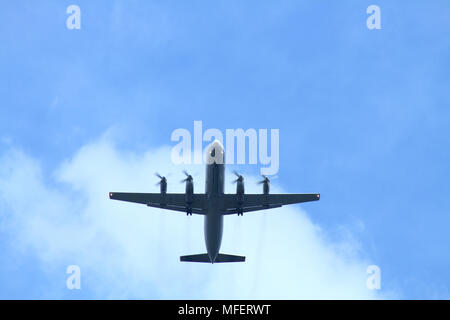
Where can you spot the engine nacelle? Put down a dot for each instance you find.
(189, 192)
(240, 191)
(189, 195)
(266, 186)
(163, 186)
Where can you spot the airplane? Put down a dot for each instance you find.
(214, 204)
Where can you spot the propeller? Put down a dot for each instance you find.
(188, 176)
(162, 179)
(265, 180)
(240, 178)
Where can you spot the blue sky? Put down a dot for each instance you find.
(363, 118)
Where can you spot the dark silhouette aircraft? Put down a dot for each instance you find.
(214, 204)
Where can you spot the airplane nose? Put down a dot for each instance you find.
(215, 153)
(217, 145)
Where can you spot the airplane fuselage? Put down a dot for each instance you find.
(214, 188)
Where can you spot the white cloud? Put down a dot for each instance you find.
(127, 250)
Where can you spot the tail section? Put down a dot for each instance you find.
(205, 258)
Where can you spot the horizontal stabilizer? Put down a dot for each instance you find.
(196, 258)
(229, 258)
(205, 258)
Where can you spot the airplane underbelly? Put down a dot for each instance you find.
(213, 233)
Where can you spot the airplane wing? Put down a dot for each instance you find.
(255, 202)
(168, 201)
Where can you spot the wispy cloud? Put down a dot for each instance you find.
(131, 251)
